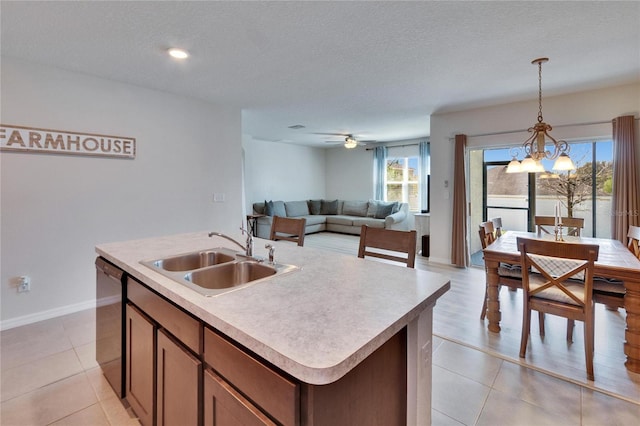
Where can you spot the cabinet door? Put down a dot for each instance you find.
(179, 377)
(140, 357)
(224, 406)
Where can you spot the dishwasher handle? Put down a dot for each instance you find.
(108, 269)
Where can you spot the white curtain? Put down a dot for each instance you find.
(425, 171)
(379, 169)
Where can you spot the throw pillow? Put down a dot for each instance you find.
(329, 207)
(384, 210)
(268, 208)
(396, 208)
(314, 206)
(296, 208)
(278, 209)
(372, 208)
(355, 208)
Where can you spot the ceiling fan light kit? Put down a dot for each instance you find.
(350, 142)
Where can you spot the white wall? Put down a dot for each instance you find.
(279, 171)
(349, 173)
(56, 208)
(584, 107)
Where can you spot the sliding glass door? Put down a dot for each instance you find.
(518, 197)
(507, 195)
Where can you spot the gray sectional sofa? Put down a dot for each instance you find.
(342, 216)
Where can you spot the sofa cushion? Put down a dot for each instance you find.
(296, 208)
(369, 221)
(314, 206)
(278, 209)
(355, 208)
(340, 220)
(329, 207)
(268, 208)
(381, 209)
(315, 219)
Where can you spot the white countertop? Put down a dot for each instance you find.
(316, 323)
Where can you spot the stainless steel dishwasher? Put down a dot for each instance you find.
(110, 320)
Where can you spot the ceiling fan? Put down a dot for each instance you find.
(349, 141)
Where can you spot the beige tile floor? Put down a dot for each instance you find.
(48, 376)
(47, 379)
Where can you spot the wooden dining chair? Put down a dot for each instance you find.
(560, 282)
(388, 240)
(497, 226)
(545, 225)
(487, 234)
(485, 231)
(634, 240)
(509, 274)
(288, 228)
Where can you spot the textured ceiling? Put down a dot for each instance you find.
(374, 69)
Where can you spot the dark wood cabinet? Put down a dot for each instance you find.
(225, 406)
(179, 374)
(140, 360)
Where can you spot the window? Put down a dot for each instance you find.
(402, 181)
(584, 192)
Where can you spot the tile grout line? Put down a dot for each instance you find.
(542, 370)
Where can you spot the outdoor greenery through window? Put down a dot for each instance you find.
(583, 193)
(402, 182)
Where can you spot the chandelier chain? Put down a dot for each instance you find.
(540, 119)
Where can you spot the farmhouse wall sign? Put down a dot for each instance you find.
(47, 141)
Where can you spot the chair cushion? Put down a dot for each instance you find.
(512, 270)
(554, 293)
(608, 285)
(329, 207)
(314, 206)
(296, 208)
(355, 208)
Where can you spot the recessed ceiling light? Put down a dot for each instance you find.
(178, 53)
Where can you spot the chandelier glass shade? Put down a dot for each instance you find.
(535, 147)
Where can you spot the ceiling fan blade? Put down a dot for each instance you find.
(333, 142)
(333, 134)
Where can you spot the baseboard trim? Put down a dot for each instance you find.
(45, 315)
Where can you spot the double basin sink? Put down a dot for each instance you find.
(216, 271)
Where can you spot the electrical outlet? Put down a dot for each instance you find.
(24, 284)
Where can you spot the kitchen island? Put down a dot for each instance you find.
(316, 326)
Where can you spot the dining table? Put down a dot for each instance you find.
(615, 261)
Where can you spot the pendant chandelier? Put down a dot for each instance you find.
(535, 146)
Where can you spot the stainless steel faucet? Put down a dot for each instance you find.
(272, 250)
(248, 248)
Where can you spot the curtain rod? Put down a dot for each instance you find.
(394, 146)
(506, 132)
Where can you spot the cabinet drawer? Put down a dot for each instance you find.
(224, 406)
(276, 395)
(183, 326)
